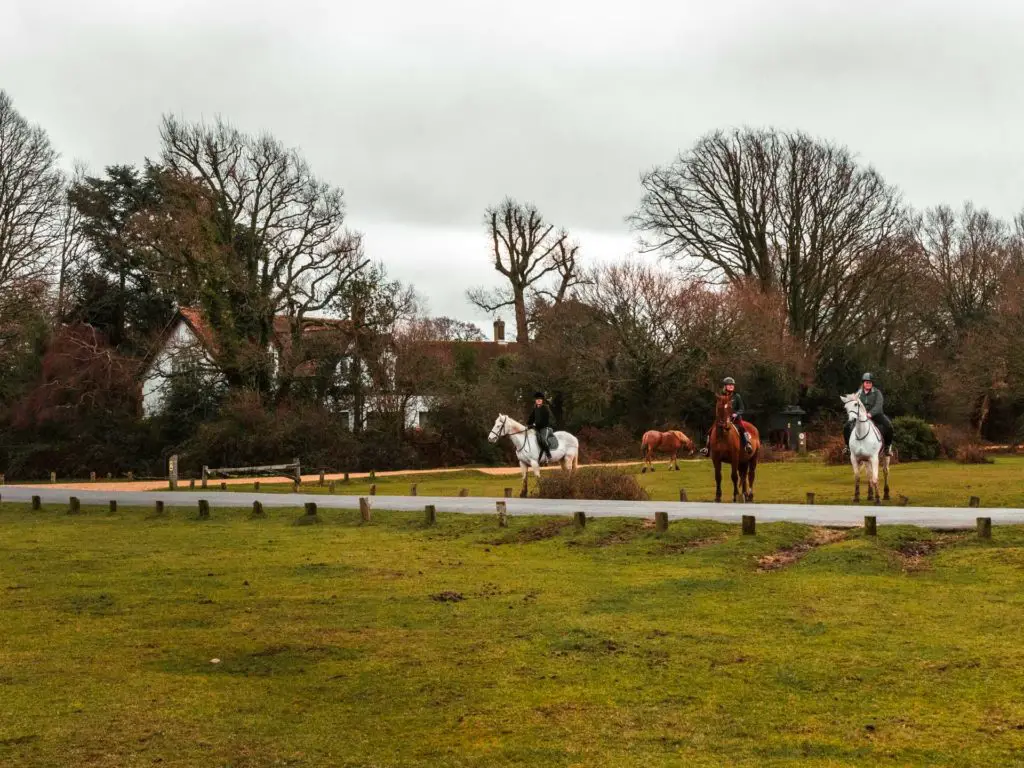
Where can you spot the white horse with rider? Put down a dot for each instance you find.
(867, 446)
(528, 452)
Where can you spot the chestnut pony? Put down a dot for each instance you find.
(666, 442)
(725, 447)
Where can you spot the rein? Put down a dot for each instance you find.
(865, 420)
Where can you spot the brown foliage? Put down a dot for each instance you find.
(833, 451)
(605, 483)
(602, 445)
(972, 453)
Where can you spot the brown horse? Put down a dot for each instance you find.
(725, 446)
(666, 442)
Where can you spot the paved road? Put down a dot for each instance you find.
(834, 515)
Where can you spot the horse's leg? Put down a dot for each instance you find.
(675, 459)
(885, 472)
(718, 481)
(874, 479)
(856, 478)
(523, 469)
(752, 470)
(735, 481)
(647, 459)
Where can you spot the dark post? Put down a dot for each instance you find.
(364, 509)
(810, 497)
(975, 501)
(463, 492)
(682, 495)
(204, 509)
(661, 521)
(206, 475)
(413, 490)
(311, 508)
(37, 503)
(580, 519)
(984, 527)
(256, 486)
(74, 506)
(321, 478)
(373, 489)
(113, 506)
(158, 508)
(870, 525)
(346, 477)
(502, 509)
(192, 484)
(749, 525)
(223, 486)
(257, 509)
(430, 514)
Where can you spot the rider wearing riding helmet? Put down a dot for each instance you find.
(542, 420)
(873, 401)
(729, 388)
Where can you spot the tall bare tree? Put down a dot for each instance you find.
(794, 214)
(31, 193)
(967, 256)
(538, 262)
(292, 254)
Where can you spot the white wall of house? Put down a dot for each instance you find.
(156, 380)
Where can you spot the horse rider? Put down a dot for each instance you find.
(871, 397)
(542, 420)
(729, 388)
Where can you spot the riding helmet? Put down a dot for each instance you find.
(866, 377)
(728, 380)
(539, 396)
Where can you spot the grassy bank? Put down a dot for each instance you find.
(468, 645)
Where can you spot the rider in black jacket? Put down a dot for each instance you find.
(543, 421)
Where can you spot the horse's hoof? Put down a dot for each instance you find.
(643, 471)
(886, 497)
(878, 502)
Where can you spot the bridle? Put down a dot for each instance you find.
(858, 407)
(500, 429)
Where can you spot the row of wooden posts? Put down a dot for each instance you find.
(748, 523)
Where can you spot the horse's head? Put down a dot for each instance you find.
(723, 409)
(852, 405)
(498, 429)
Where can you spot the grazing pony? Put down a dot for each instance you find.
(664, 442)
(726, 447)
(524, 440)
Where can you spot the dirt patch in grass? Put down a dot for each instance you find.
(681, 547)
(546, 530)
(788, 555)
(447, 597)
(914, 553)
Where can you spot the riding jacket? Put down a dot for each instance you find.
(541, 417)
(737, 405)
(873, 401)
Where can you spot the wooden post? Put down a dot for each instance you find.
(661, 521)
(298, 471)
(373, 476)
(430, 514)
(74, 506)
(131, 476)
(346, 477)
(53, 477)
(257, 509)
(311, 508)
(113, 507)
(413, 490)
(984, 527)
(975, 502)
(373, 489)
(904, 501)
(463, 493)
(682, 495)
(192, 484)
(158, 508)
(810, 497)
(172, 472)
(321, 478)
(580, 520)
(256, 486)
(870, 525)
(364, 509)
(223, 486)
(749, 525)
(206, 475)
(502, 508)
(37, 503)
(204, 509)
(508, 493)
(92, 477)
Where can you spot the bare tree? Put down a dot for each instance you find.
(967, 256)
(31, 193)
(789, 212)
(292, 254)
(538, 262)
(71, 250)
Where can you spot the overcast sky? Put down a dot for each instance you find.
(426, 112)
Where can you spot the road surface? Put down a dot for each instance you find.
(822, 514)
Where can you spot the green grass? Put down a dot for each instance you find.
(932, 483)
(392, 644)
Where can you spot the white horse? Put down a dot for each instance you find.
(866, 444)
(528, 449)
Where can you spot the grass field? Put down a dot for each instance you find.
(393, 644)
(933, 483)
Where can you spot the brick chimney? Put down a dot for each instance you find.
(499, 331)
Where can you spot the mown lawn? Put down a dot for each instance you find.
(933, 483)
(392, 644)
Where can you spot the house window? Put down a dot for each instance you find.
(424, 420)
(346, 419)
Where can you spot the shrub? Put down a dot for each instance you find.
(834, 451)
(769, 455)
(601, 445)
(951, 440)
(592, 483)
(915, 439)
(972, 453)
